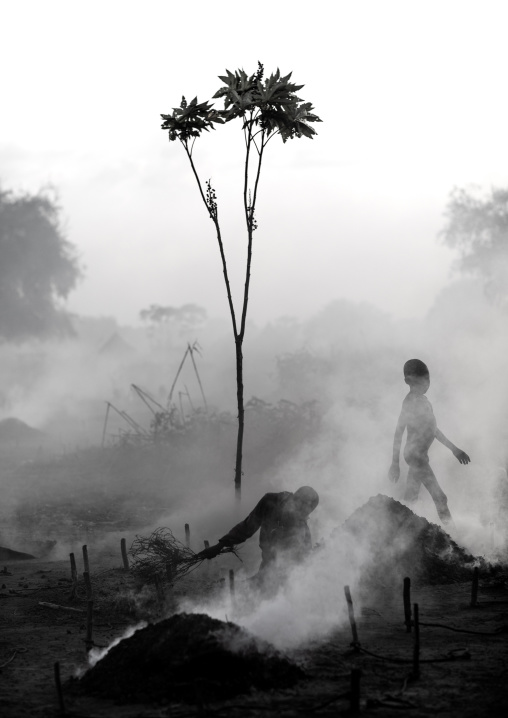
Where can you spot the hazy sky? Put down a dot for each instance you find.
(413, 101)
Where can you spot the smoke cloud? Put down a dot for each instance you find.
(328, 391)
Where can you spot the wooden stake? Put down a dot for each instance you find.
(355, 691)
(59, 692)
(356, 642)
(207, 543)
(74, 577)
(123, 549)
(416, 646)
(187, 535)
(232, 584)
(86, 564)
(89, 625)
(74, 570)
(474, 588)
(88, 585)
(407, 604)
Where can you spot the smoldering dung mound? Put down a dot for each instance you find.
(399, 542)
(9, 554)
(186, 654)
(14, 430)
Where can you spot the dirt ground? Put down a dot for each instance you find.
(469, 675)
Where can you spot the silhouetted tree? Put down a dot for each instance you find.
(266, 107)
(38, 267)
(163, 322)
(190, 314)
(477, 226)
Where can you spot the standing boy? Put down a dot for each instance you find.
(419, 420)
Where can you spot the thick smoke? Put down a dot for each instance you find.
(328, 390)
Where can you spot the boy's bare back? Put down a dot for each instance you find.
(420, 422)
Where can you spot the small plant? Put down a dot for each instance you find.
(266, 107)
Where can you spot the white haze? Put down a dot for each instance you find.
(411, 101)
(64, 387)
(347, 271)
(351, 358)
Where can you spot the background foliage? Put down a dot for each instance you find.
(38, 267)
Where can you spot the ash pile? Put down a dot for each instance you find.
(185, 657)
(399, 543)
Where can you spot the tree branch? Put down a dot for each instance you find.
(249, 215)
(215, 220)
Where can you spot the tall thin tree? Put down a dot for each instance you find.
(266, 107)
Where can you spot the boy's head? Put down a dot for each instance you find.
(416, 375)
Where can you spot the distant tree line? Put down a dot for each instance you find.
(477, 226)
(38, 267)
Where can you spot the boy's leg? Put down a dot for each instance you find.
(413, 484)
(439, 497)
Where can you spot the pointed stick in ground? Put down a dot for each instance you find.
(356, 643)
(407, 604)
(59, 692)
(74, 577)
(474, 588)
(86, 563)
(88, 585)
(416, 645)
(123, 549)
(355, 691)
(74, 570)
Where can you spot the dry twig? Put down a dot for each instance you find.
(162, 553)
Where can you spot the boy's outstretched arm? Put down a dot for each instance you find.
(394, 471)
(460, 455)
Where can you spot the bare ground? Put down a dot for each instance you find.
(469, 678)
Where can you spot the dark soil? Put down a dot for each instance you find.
(400, 543)
(185, 654)
(190, 665)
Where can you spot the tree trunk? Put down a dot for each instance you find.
(241, 412)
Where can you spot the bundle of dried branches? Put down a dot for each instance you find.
(162, 554)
